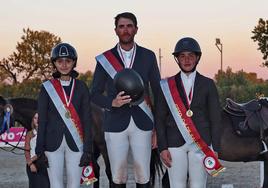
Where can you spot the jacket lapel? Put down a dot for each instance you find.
(137, 58)
(197, 87)
(181, 89)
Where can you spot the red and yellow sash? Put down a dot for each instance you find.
(187, 127)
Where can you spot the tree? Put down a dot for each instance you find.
(28, 88)
(239, 86)
(3, 76)
(87, 77)
(261, 36)
(31, 58)
(8, 71)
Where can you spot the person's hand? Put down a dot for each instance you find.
(121, 99)
(85, 159)
(33, 168)
(34, 158)
(154, 140)
(166, 158)
(41, 161)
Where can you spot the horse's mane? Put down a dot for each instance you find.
(24, 102)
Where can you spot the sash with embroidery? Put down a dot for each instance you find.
(67, 113)
(111, 65)
(187, 128)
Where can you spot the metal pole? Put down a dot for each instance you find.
(218, 42)
(221, 56)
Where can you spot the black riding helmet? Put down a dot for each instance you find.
(130, 81)
(187, 44)
(63, 50)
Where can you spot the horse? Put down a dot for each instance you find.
(23, 110)
(252, 119)
(244, 131)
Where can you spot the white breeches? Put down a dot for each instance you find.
(186, 162)
(118, 145)
(56, 166)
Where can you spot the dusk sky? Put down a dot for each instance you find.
(89, 26)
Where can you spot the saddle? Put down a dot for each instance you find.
(240, 109)
(245, 117)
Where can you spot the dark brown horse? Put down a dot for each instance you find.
(244, 131)
(252, 121)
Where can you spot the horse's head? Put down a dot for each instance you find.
(24, 110)
(6, 115)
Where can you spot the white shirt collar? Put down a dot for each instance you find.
(127, 52)
(188, 83)
(127, 56)
(191, 76)
(65, 83)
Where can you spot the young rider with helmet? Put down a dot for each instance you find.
(188, 120)
(64, 133)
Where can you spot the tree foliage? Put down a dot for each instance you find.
(87, 77)
(239, 86)
(31, 58)
(30, 88)
(260, 35)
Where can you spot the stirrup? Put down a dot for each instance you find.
(265, 148)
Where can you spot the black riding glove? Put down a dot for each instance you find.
(41, 161)
(85, 159)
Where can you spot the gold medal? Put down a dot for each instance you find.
(67, 114)
(189, 113)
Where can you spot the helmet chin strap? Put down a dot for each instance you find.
(68, 74)
(192, 70)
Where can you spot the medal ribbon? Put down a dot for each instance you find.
(132, 55)
(188, 97)
(67, 102)
(187, 128)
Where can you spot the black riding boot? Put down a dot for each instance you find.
(114, 185)
(146, 185)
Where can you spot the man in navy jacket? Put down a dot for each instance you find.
(126, 125)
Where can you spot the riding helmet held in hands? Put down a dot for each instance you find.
(129, 81)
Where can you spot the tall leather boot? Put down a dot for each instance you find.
(114, 185)
(146, 185)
